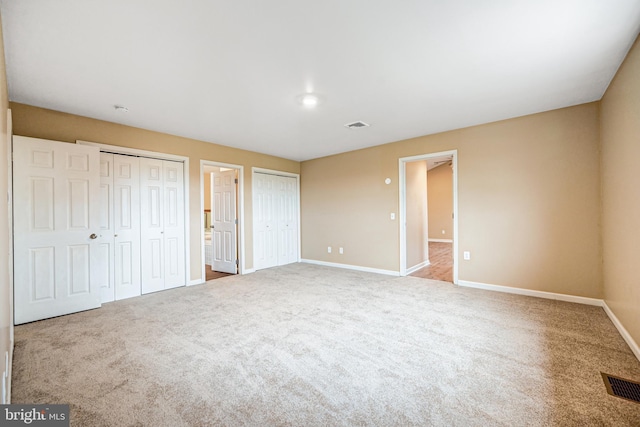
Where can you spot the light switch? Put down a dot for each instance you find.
(393, 216)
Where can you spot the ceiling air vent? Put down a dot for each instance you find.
(357, 125)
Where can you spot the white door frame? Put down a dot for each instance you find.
(116, 149)
(403, 207)
(255, 170)
(9, 264)
(240, 197)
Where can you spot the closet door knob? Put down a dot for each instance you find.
(93, 236)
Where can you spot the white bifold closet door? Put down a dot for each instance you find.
(275, 220)
(162, 224)
(56, 224)
(119, 227)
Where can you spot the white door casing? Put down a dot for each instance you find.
(224, 224)
(56, 225)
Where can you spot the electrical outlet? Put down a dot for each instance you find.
(341, 251)
(443, 232)
(329, 249)
(466, 255)
(393, 216)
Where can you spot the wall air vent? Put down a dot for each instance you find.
(357, 125)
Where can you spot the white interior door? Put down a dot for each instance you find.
(223, 222)
(265, 226)
(151, 224)
(162, 224)
(287, 194)
(126, 236)
(56, 225)
(173, 224)
(105, 242)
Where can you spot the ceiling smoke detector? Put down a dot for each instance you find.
(357, 125)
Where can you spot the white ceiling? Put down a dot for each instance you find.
(229, 72)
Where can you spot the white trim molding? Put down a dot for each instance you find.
(441, 240)
(418, 267)
(531, 293)
(351, 267)
(633, 345)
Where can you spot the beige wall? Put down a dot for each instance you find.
(6, 320)
(440, 199)
(620, 138)
(48, 124)
(417, 214)
(528, 194)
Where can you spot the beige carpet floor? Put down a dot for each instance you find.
(305, 345)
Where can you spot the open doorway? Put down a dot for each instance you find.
(428, 216)
(222, 224)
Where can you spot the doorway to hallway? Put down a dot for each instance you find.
(428, 216)
(440, 263)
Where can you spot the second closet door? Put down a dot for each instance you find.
(275, 220)
(126, 203)
(119, 227)
(162, 224)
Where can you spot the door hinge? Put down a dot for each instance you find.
(235, 180)
(236, 262)
(235, 221)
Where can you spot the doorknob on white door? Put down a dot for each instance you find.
(93, 236)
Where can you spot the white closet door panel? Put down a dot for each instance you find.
(106, 243)
(151, 225)
(173, 215)
(128, 281)
(287, 220)
(265, 225)
(57, 262)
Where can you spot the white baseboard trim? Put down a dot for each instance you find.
(249, 270)
(441, 240)
(195, 282)
(351, 267)
(623, 331)
(531, 293)
(418, 267)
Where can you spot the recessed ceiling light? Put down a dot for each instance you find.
(309, 100)
(121, 109)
